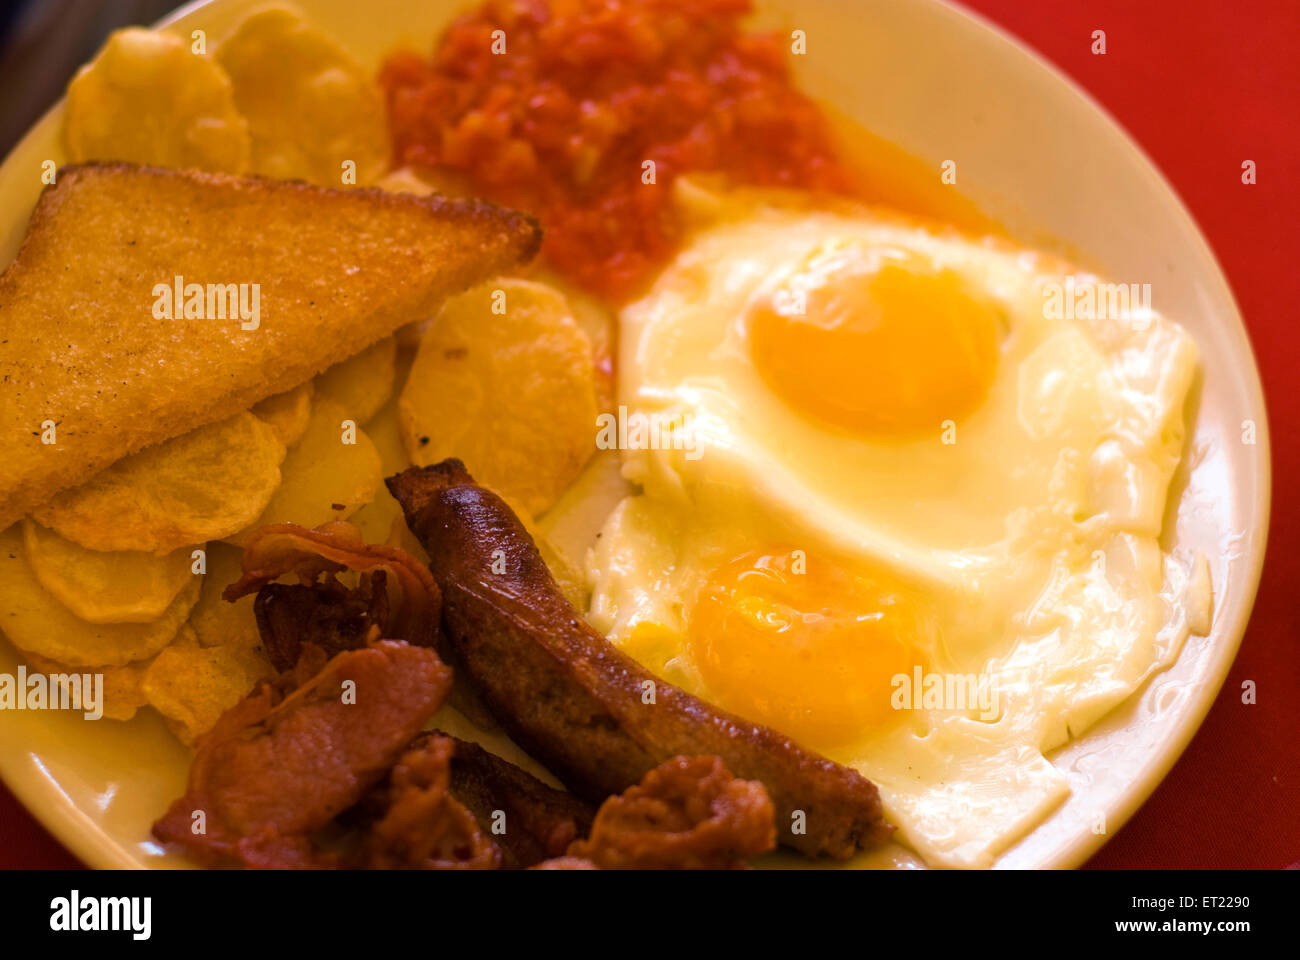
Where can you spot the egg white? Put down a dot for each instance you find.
(1033, 536)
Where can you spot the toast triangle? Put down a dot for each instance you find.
(82, 343)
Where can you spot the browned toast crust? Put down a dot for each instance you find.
(338, 269)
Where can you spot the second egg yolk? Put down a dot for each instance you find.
(805, 646)
(891, 349)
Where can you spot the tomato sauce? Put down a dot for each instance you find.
(555, 107)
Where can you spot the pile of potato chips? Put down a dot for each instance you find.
(276, 97)
(123, 575)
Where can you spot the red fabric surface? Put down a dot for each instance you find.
(1202, 85)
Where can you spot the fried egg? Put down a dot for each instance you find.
(898, 498)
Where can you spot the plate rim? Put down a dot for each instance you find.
(42, 797)
(1230, 636)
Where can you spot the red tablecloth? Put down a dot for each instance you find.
(1202, 85)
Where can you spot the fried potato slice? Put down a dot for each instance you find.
(376, 519)
(324, 478)
(215, 622)
(310, 106)
(116, 586)
(287, 412)
(385, 431)
(361, 384)
(122, 693)
(146, 98)
(203, 485)
(510, 393)
(599, 322)
(36, 622)
(191, 686)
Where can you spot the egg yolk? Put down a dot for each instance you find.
(805, 646)
(883, 346)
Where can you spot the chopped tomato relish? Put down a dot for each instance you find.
(562, 123)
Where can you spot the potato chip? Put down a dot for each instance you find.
(146, 98)
(511, 393)
(34, 621)
(122, 693)
(203, 485)
(215, 621)
(116, 586)
(599, 322)
(361, 384)
(192, 686)
(310, 106)
(376, 519)
(288, 412)
(324, 478)
(385, 432)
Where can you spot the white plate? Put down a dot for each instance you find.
(1036, 154)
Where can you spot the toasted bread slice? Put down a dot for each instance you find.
(84, 337)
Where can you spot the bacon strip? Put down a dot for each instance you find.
(327, 614)
(688, 813)
(423, 825)
(276, 768)
(281, 548)
(581, 706)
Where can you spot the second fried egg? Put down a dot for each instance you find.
(868, 451)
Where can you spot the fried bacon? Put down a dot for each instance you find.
(566, 863)
(281, 548)
(688, 813)
(280, 765)
(326, 614)
(575, 702)
(423, 826)
(518, 816)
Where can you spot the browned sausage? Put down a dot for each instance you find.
(540, 821)
(589, 713)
